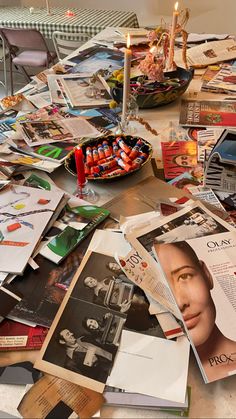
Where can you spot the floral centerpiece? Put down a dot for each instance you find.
(161, 81)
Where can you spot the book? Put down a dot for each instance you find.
(118, 397)
(25, 214)
(74, 226)
(208, 113)
(220, 166)
(78, 92)
(15, 336)
(211, 267)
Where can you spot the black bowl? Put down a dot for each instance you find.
(128, 139)
(152, 100)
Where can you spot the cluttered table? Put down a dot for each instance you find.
(90, 21)
(215, 399)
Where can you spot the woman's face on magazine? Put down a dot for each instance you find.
(191, 290)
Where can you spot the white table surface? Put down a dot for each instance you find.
(215, 400)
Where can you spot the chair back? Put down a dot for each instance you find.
(24, 38)
(65, 42)
(3, 56)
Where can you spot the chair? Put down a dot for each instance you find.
(27, 47)
(3, 56)
(65, 42)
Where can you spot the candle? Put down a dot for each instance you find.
(79, 162)
(126, 85)
(48, 7)
(70, 13)
(172, 37)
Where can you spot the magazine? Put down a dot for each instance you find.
(96, 297)
(45, 288)
(52, 152)
(25, 213)
(209, 53)
(208, 113)
(205, 267)
(220, 167)
(96, 58)
(79, 92)
(210, 237)
(177, 156)
(206, 140)
(73, 226)
(118, 397)
(224, 80)
(15, 336)
(44, 132)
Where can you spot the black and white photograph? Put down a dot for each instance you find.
(85, 340)
(103, 282)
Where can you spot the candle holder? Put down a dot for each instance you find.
(86, 193)
(125, 126)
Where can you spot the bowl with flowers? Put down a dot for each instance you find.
(160, 80)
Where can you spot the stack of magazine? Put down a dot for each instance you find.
(220, 166)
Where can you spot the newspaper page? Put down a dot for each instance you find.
(49, 391)
(209, 53)
(201, 274)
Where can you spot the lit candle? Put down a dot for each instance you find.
(172, 37)
(126, 85)
(79, 162)
(48, 7)
(70, 13)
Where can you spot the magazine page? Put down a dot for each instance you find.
(209, 53)
(82, 94)
(72, 227)
(96, 58)
(24, 212)
(208, 113)
(190, 222)
(201, 274)
(44, 132)
(84, 337)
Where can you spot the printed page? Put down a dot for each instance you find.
(168, 358)
(49, 391)
(201, 274)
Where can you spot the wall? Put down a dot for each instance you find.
(210, 16)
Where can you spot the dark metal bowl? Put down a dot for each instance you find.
(152, 100)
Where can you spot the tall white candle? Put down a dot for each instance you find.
(172, 37)
(126, 85)
(48, 7)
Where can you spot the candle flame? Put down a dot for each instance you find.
(128, 40)
(152, 49)
(176, 6)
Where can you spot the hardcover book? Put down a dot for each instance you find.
(208, 113)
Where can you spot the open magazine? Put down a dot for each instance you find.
(220, 166)
(193, 250)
